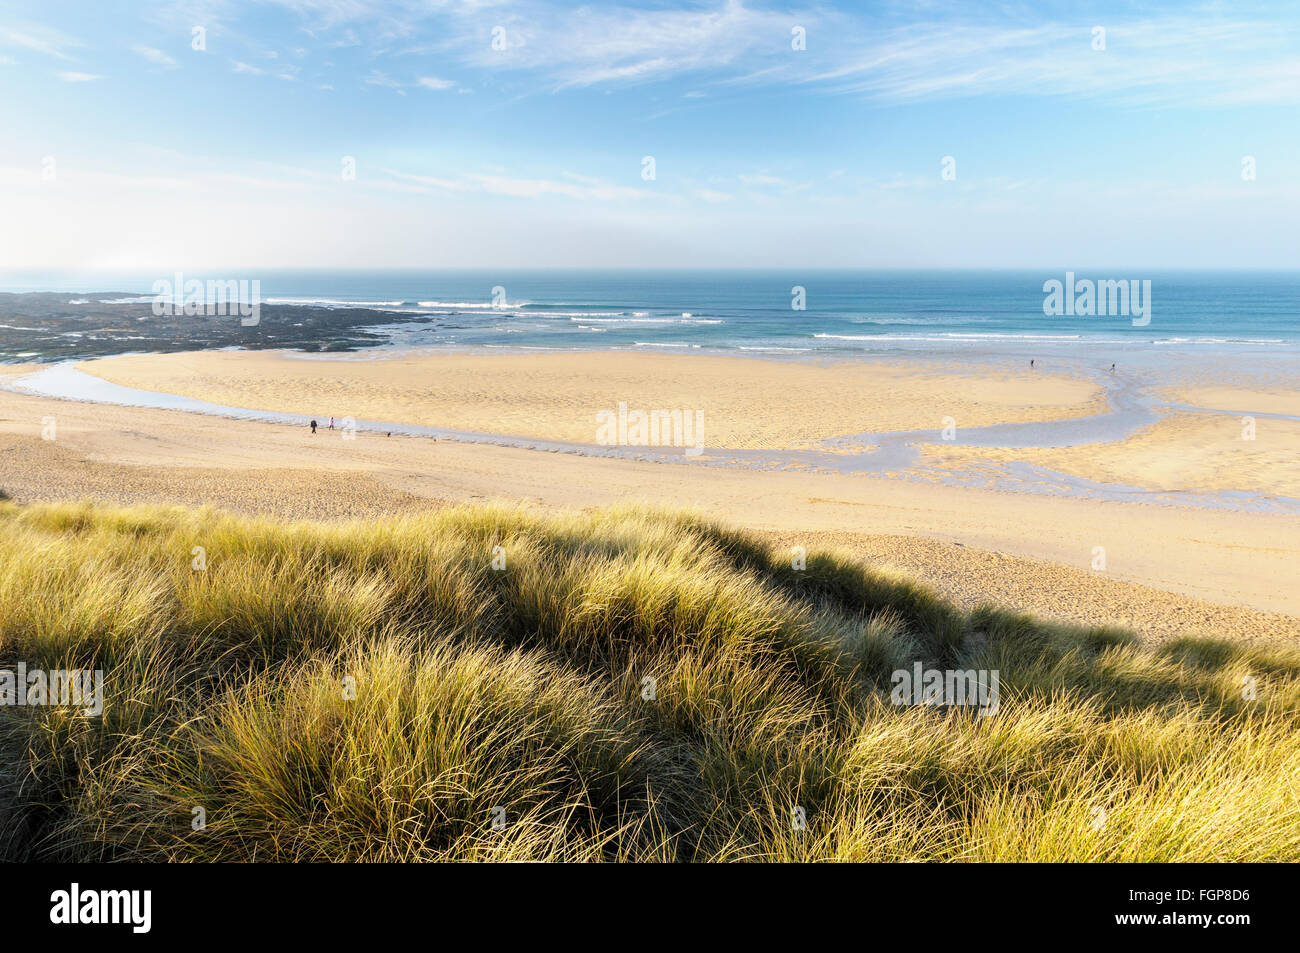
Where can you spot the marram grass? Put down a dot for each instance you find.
(630, 686)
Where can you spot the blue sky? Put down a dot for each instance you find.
(514, 134)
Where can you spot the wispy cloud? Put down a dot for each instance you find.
(535, 188)
(239, 66)
(1208, 54)
(761, 178)
(712, 195)
(388, 16)
(580, 187)
(427, 183)
(1193, 57)
(157, 57)
(76, 176)
(592, 45)
(1197, 56)
(379, 78)
(72, 77)
(40, 39)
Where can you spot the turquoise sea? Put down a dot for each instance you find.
(843, 312)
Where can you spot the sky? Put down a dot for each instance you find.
(243, 134)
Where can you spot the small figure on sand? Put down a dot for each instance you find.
(331, 423)
(1031, 363)
(1112, 368)
(313, 426)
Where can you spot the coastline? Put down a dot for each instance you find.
(1171, 568)
(1108, 436)
(748, 402)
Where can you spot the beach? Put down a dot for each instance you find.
(675, 432)
(747, 403)
(1178, 557)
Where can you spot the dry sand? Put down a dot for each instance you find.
(746, 402)
(1240, 399)
(1170, 570)
(1182, 452)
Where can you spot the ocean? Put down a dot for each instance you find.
(843, 312)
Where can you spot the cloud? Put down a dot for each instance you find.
(535, 188)
(450, 185)
(583, 188)
(1199, 56)
(40, 40)
(157, 57)
(1204, 55)
(761, 178)
(95, 179)
(327, 14)
(1191, 57)
(377, 78)
(576, 47)
(380, 78)
(239, 66)
(593, 45)
(71, 77)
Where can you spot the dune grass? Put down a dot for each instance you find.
(629, 685)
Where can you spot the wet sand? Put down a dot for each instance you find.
(1181, 453)
(1091, 435)
(746, 403)
(1169, 570)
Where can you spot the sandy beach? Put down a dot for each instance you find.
(1169, 569)
(1184, 452)
(746, 403)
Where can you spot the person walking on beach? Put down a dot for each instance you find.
(331, 423)
(313, 426)
(1112, 368)
(1031, 363)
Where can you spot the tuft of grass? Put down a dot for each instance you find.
(627, 685)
